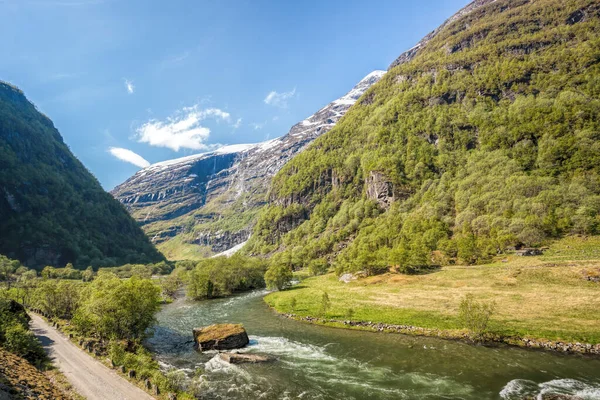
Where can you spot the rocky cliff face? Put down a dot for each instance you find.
(212, 199)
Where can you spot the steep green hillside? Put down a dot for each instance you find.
(52, 210)
(488, 138)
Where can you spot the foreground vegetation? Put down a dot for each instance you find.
(108, 312)
(546, 297)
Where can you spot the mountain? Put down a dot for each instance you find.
(208, 203)
(52, 209)
(484, 137)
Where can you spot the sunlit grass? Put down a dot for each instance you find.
(535, 297)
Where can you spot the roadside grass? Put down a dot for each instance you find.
(61, 382)
(542, 297)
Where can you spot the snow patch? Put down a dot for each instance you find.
(231, 251)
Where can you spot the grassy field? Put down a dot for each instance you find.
(545, 297)
(177, 249)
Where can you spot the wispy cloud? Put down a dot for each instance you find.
(129, 86)
(175, 60)
(257, 125)
(129, 156)
(184, 130)
(280, 100)
(237, 123)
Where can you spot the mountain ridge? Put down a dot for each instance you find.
(212, 198)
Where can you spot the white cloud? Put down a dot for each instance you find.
(182, 130)
(257, 125)
(129, 156)
(238, 123)
(279, 99)
(129, 86)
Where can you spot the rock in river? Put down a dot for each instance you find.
(238, 358)
(220, 337)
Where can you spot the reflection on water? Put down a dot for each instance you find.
(315, 362)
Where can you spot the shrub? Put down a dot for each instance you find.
(318, 266)
(116, 352)
(475, 315)
(350, 313)
(325, 304)
(19, 340)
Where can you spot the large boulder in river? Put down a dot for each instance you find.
(220, 337)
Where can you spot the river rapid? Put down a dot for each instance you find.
(315, 362)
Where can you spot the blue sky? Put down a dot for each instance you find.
(157, 80)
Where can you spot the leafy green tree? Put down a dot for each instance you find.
(222, 276)
(119, 309)
(278, 276)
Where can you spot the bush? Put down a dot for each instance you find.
(350, 313)
(318, 266)
(278, 276)
(15, 335)
(116, 352)
(19, 340)
(475, 315)
(325, 304)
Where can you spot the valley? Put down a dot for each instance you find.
(433, 233)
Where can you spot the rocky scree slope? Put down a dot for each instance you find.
(52, 209)
(482, 138)
(212, 199)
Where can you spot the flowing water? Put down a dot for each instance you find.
(315, 362)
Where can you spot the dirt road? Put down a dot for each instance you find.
(89, 377)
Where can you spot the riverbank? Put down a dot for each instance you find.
(547, 301)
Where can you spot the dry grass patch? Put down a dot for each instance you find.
(539, 297)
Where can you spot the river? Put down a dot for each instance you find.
(315, 362)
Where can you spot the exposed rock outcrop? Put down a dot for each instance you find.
(220, 337)
(380, 189)
(221, 241)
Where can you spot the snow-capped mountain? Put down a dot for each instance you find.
(211, 199)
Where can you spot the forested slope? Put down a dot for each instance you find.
(52, 209)
(486, 138)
